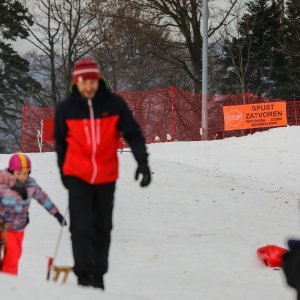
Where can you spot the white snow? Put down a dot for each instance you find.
(192, 235)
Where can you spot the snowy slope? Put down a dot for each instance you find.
(193, 234)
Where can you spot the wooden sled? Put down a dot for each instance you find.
(2, 244)
(64, 271)
(2, 250)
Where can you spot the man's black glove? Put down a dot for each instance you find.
(21, 189)
(61, 220)
(144, 170)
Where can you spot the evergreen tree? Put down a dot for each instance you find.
(254, 59)
(291, 48)
(16, 84)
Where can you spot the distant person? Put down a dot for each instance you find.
(169, 137)
(219, 135)
(17, 189)
(88, 126)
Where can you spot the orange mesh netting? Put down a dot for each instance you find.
(164, 115)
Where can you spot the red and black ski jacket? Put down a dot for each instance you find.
(87, 134)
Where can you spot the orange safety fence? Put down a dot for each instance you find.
(164, 115)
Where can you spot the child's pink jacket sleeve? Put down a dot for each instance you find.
(42, 198)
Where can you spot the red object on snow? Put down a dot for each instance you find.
(272, 255)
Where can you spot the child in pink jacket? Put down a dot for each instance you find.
(17, 189)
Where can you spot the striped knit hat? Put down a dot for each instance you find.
(19, 162)
(85, 69)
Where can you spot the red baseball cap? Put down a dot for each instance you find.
(86, 69)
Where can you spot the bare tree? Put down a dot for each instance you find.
(127, 56)
(182, 20)
(80, 30)
(45, 36)
(63, 32)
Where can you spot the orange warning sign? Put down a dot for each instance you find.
(256, 115)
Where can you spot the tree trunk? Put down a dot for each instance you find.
(53, 80)
(281, 10)
(68, 75)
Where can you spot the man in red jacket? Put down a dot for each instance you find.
(88, 125)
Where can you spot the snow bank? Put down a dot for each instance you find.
(192, 235)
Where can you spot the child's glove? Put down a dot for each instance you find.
(144, 170)
(61, 220)
(21, 189)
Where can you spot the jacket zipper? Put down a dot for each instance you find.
(98, 131)
(94, 142)
(87, 133)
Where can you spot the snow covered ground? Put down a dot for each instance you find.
(192, 235)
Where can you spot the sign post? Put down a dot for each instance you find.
(204, 127)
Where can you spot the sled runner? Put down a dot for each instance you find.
(2, 244)
(1, 252)
(65, 271)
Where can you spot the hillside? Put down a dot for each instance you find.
(192, 235)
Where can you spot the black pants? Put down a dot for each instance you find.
(291, 266)
(91, 209)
